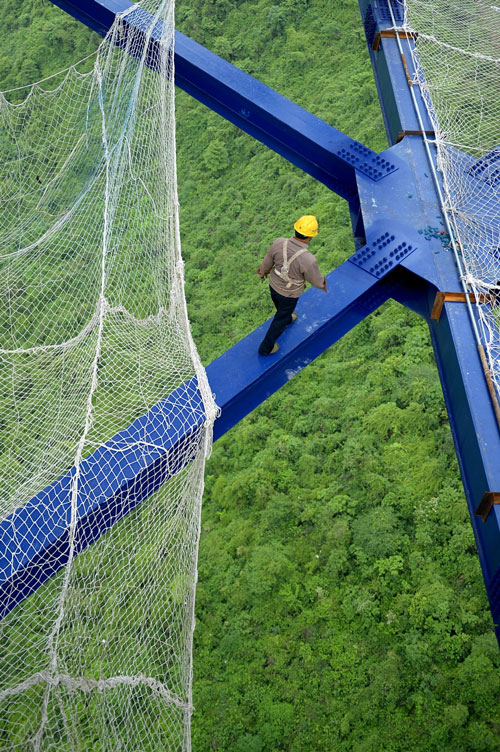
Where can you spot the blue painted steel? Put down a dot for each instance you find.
(113, 480)
(411, 194)
(494, 596)
(385, 252)
(306, 141)
(473, 425)
(480, 179)
(376, 16)
(390, 76)
(128, 468)
(487, 170)
(407, 192)
(98, 15)
(303, 139)
(322, 320)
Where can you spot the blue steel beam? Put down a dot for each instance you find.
(357, 287)
(132, 465)
(390, 71)
(416, 278)
(35, 538)
(303, 139)
(98, 15)
(475, 432)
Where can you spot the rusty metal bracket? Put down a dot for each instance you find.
(483, 508)
(402, 134)
(391, 34)
(453, 297)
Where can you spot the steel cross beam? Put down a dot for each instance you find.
(134, 463)
(303, 139)
(405, 261)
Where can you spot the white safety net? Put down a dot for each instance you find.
(94, 335)
(457, 58)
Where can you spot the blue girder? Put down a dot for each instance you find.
(303, 139)
(135, 462)
(408, 262)
(389, 70)
(128, 468)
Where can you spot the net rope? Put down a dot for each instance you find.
(457, 62)
(95, 333)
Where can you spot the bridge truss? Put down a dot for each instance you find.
(392, 199)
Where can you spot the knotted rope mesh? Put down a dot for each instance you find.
(457, 58)
(94, 334)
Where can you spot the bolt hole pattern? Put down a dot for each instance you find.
(386, 243)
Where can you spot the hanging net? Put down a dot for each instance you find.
(457, 58)
(94, 335)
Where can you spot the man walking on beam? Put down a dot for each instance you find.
(291, 265)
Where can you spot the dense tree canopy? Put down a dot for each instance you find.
(340, 602)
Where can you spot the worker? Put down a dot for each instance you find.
(290, 265)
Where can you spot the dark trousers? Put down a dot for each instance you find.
(284, 309)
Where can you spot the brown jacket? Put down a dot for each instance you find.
(303, 269)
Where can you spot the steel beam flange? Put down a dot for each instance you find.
(366, 161)
(383, 253)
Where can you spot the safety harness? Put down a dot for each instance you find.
(283, 272)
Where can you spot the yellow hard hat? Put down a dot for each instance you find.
(307, 225)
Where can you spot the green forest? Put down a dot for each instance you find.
(340, 604)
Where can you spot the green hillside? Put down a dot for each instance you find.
(340, 603)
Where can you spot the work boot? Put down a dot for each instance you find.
(275, 349)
